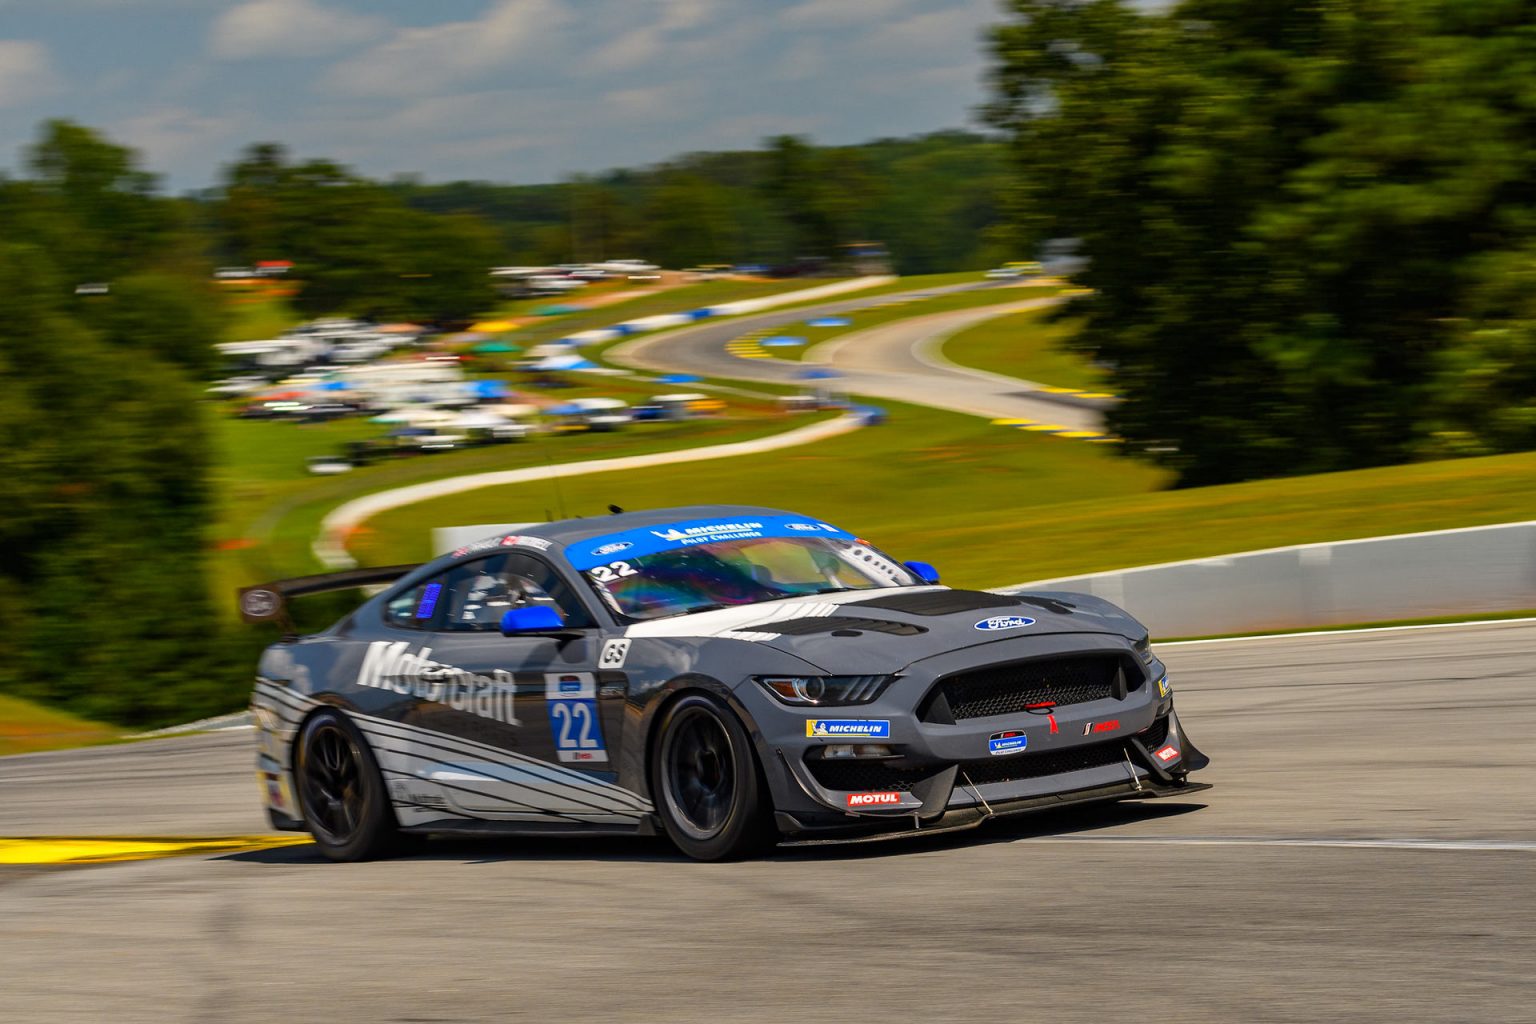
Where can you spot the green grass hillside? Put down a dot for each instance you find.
(26, 728)
(1029, 346)
(992, 507)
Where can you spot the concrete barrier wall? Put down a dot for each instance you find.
(1408, 576)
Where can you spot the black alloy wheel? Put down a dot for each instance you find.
(706, 781)
(341, 791)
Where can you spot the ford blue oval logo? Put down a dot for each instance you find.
(612, 549)
(1005, 622)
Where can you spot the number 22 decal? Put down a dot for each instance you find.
(612, 571)
(571, 700)
(567, 713)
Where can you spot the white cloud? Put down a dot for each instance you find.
(26, 72)
(288, 28)
(169, 136)
(423, 61)
(843, 12)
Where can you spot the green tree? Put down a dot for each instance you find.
(1283, 206)
(103, 598)
(356, 247)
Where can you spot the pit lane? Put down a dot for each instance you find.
(1369, 853)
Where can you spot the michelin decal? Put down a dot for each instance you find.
(860, 728)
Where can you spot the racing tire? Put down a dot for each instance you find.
(706, 783)
(341, 791)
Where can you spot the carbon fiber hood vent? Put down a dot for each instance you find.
(834, 623)
(938, 602)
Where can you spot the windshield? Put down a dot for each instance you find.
(700, 566)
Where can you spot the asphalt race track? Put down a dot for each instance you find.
(1369, 854)
(878, 362)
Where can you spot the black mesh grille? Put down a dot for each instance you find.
(1155, 735)
(854, 775)
(857, 776)
(1010, 689)
(1033, 766)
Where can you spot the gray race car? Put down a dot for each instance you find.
(727, 676)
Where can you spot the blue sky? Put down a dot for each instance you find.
(498, 90)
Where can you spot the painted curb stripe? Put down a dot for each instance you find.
(106, 849)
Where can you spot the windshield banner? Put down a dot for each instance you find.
(649, 540)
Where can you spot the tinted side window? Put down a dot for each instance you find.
(418, 607)
(477, 594)
(548, 587)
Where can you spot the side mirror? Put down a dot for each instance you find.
(923, 571)
(532, 618)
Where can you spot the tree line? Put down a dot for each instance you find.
(1310, 226)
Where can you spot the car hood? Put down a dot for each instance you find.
(882, 631)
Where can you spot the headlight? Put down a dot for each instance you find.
(824, 691)
(1143, 648)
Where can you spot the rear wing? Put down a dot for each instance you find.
(268, 602)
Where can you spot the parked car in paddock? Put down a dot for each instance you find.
(728, 676)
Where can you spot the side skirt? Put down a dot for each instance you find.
(470, 827)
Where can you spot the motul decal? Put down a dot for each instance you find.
(873, 799)
(1167, 754)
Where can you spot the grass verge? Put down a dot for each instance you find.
(1436, 620)
(26, 728)
(901, 484)
(994, 507)
(1028, 346)
(272, 507)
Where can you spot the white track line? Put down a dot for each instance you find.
(329, 546)
(1491, 845)
(1347, 632)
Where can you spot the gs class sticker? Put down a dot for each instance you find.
(614, 653)
(571, 698)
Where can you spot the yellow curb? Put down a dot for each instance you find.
(1094, 394)
(1011, 423)
(105, 849)
(1052, 428)
(1079, 433)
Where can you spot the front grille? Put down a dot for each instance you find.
(1033, 766)
(1010, 689)
(1155, 734)
(855, 775)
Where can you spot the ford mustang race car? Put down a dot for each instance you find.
(726, 676)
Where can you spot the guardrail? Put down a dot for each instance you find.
(1378, 579)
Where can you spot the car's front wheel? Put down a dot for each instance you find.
(341, 791)
(706, 783)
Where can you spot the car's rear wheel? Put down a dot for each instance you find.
(707, 787)
(342, 792)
